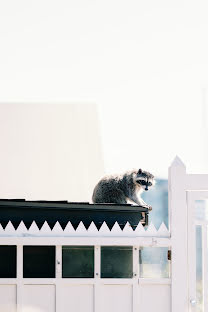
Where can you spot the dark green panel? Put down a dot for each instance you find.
(78, 261)
(116, 262)
(8, 259)
(39, 261)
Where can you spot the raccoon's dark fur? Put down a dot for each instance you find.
(121, 188)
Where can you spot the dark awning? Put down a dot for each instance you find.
(17, 210)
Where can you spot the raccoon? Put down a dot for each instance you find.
(120, 189)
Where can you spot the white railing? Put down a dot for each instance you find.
(180, 239)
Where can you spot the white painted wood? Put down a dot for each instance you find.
(97, 261)
(151, 230)
(38, 298)
(196, 182)
(192, 197)
(191, 252)
(21, 230)
(163, 231)
(9, 229)
(77, 298)
(81, 229)
(45, 229)
(116, 298)
(92, 229)
(135, 301)
(104, 229)
(69, 230)
(116, 230)
(155, 281)
(33, 229)
(19, 277)
(127, 230)
(8, 298)
(57, 230)
(97, 272)
(154, 298)
(85, 241)
(178, 225)
(139, 231)
(58, 261)
(205, 266)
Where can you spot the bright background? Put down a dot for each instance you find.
(144, 63)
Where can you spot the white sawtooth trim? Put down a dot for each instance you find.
(9, 229)
(151, 230)
(69, 230)
(45, 229)
(163, 231)
(57, 229)
(33, 229)
(81, 230)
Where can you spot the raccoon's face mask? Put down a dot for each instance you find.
(145, 184)
(144, 180)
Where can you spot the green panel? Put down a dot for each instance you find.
(8, 255)
(38, 261)
(116, 262)
(153, 262)
(78, 261)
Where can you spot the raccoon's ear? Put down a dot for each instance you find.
(140, 171)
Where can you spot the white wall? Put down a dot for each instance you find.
(49, 152)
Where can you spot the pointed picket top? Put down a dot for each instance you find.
(151, 230)
(116, 230)
(92, 229)
(33, 229)
(9, 229)
(69, 230)
(104, 229)
(81, 229)
(163, 231)
(57, 229)
(45, 229)
(140, 231)
(2, 232)
(128, 229)
(21, 229)
(177, 162)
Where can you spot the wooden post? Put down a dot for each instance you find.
(178, 227)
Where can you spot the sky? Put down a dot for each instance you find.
(144, 63)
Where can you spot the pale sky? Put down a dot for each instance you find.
(145, 63)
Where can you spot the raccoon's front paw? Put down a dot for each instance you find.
(148, 207)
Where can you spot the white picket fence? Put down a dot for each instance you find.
(85, 294)
(177, 293)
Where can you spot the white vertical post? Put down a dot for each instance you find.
(135, 289)
(19, 277)
(58, 277)
(58, 261)
(97, 263)
(191, 252)
(204, 266)
(178, 226)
